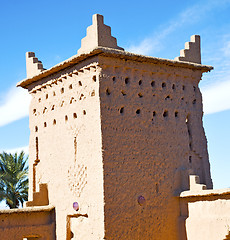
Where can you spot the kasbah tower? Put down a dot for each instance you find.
(120, 134)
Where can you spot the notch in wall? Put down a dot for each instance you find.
(191, 52)
(33, 65)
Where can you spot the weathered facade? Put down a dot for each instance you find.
(120, 134)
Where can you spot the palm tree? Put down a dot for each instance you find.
(13, 178)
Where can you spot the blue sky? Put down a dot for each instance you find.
(54, 29)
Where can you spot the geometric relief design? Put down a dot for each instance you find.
(77, 178)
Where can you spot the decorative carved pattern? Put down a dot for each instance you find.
(77, 178)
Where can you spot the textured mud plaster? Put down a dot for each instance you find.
(152, 136)
(119, 133)
(31, 223)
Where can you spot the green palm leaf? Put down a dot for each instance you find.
(13, 178)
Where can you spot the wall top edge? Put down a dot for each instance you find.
(110, 52)
(48, 208)
(205, 193)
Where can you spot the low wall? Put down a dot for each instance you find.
(208, 214)
(30, 222)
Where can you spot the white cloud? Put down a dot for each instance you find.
(145, 47)
(15, 106)
(18, 150)
(226, 49)
(216, 98)
(192, 15)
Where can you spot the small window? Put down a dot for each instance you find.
(163, 85)
(126, 80)
(70, 86)
(74, 115)
(80, 83)
(153, 83)
(36, 128)
(123, 92)
(54, 122)
(62, 90)
(122, 110)
(45, 109)
(45, 124)
(71, 100)
(94, 78)
(84, 112)
(168, 97)
(138, 111)
(140, 82)
(165, 114)
(157, 188)
(108, 91)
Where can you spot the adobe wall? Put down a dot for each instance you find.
(206, 212)
(209, 219)
(108, 130)
(34, 223)
(65, 148)
(149, 148)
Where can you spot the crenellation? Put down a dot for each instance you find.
(33, 65)
(191, 53)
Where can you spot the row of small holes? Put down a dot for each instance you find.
(54, 121)
(71, 101)
(140, 95)
(62, 90)
(153, 84)
(138, 111)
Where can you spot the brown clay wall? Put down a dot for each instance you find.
(66, 142)
(16, 224)
(148, 147)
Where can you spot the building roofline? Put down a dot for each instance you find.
(110, 52)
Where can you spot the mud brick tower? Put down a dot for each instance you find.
(119, 133)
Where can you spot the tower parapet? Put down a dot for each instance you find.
(33, 65)
(98, 35)
(191, 52)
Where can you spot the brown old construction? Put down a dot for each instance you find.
(122, 135)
